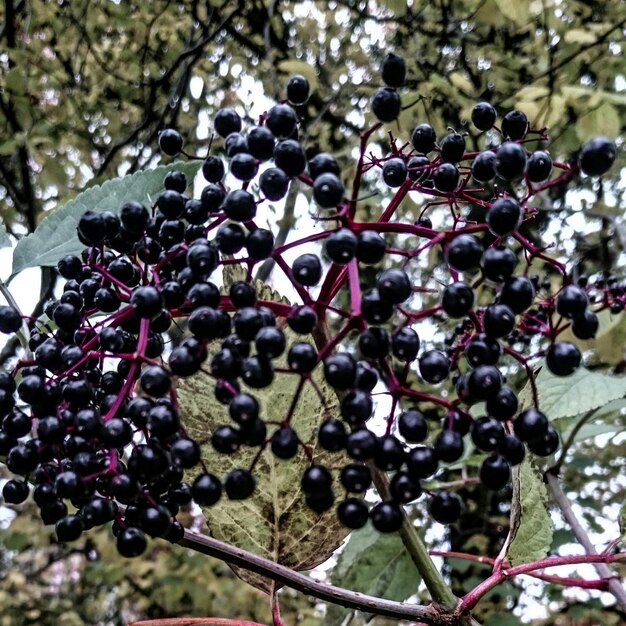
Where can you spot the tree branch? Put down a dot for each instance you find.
(306, 584)
(615, 587)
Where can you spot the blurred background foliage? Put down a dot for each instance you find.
(85, 87)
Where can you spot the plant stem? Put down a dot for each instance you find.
(554, 470)
(470, 599)
(300, 582)
(615, 587)
(23, 336)
(439, 590)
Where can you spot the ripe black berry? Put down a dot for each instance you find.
(504, 216)
(352, 513)
(328, 190)
(510, 161)
(483, 116)
(307, 269)
(386, 517)
(597, 156)
(393, 70)
(394, 172)
(386, 104)
(341, 246)
(457, 299)
(434, 366)
(412, 426)
(239, 484)
(298, 89)
(131, 542)
(515, 124)
(563, 358)
(227, 121)
(445, 507)
(423, 138)
(495, 472)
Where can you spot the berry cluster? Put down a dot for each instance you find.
(93, 419)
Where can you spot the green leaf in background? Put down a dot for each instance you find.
(506, 619)
(56, 235)
(603, 120)
(375, 564)
(609, 343)
(567, 396)
(275, 521)
(518, 11)
(5, 241)
(531, 523)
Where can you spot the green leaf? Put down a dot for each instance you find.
(580, 36)
(622, 521)
(567, 396)
(531, 523)
(5, 240)
(56, 235)
(517, 11)
(500, 619)
(275, 521)
(375, 564)
(603, 120)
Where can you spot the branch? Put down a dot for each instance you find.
(305, 584)
(439, 590)
(470, 600)
(615, 587)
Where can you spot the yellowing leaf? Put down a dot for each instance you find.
(461, 82)
(531, 523)
(531, 109)
(275, 521)
(517, 11)
(397, 7)
(532, 93)
(579, 36)
(604, 120)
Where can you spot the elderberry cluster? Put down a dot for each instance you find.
(92, 418)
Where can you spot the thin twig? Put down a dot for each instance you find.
(562, 501)
(555, 469)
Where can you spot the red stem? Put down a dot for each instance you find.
(469, 600)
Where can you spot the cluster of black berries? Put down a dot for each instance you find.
(92, 417)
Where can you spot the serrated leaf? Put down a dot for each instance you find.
(275, 521)
(531, 523)
(375, 564)
(56, 235)
(567, 396)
